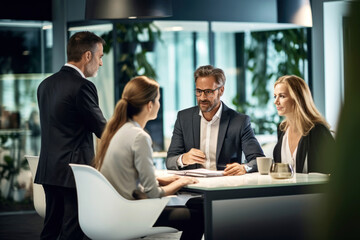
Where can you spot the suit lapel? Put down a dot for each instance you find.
(224, 123)
(196, 126)
(301, 153)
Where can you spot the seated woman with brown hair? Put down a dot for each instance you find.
(124, 157)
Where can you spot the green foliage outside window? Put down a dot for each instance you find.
(291, 48)
(128, 36)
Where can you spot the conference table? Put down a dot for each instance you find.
(252, 206)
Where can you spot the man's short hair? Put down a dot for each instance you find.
(208, 70)
(81, 42)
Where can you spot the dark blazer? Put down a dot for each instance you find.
(313, 145)
(69, 114)
(235, 136)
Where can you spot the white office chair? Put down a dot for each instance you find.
(38, 190)
(105, 214)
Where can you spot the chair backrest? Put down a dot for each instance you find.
(38, 190)
(105, 214)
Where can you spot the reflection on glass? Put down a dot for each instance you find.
(281, 171)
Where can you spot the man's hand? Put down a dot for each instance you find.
(193, 156)
(234, 169)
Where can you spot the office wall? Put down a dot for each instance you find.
(317, 53)
(336, 33)
(321, 83)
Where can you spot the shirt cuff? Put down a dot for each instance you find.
(247, 168)
(179, 162)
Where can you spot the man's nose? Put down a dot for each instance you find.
(203, 96)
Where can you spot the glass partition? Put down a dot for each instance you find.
(183, 48)
(25, 60)
(252, 55)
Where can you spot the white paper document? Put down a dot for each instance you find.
(199, 172)
(180, 199)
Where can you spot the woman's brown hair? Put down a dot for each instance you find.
(137, 93)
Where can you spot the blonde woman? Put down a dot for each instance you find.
(124, 157)
(303, 132)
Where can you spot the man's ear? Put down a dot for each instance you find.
(88, 56)
(221, 90)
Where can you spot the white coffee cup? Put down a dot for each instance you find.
(264, 164)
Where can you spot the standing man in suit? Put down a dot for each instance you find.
(211, 135)
(69, 114)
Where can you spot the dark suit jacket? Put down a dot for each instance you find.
(69, 114)
(313, 145)
(235, 136)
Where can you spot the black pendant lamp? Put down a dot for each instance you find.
(127, 9)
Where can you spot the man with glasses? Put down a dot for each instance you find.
(211, 135)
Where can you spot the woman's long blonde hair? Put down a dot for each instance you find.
(305, 112)
(137, 92)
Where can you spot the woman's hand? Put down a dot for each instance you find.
(187, 180)
(176, 185)
(166, 180)
(183, 181)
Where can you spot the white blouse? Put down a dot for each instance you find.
(287, 157)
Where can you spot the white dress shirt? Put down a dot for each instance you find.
(76, 68)
(209, 131)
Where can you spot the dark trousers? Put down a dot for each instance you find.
(61, 217)
(189, 219)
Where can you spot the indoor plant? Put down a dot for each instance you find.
(290, 45)
(128, 37)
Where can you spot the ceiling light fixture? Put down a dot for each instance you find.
(294, 11)
(127, 9)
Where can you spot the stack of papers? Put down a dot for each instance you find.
(181, 198)
(200, 172)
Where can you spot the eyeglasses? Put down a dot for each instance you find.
(207, 92)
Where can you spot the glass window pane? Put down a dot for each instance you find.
(183, 48)
(269, 51)
(25, 60)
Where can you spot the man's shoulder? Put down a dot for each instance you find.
(68, 77)
(71, 73)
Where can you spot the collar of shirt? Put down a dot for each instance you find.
(76, 68)
(135, 123)
(215, 117)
